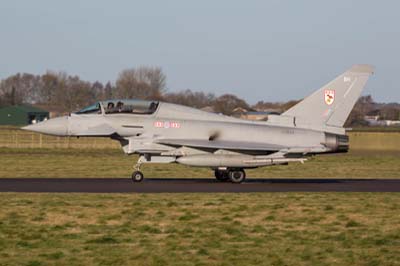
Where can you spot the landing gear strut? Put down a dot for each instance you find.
(137, 175)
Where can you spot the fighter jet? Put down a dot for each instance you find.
(161, 132)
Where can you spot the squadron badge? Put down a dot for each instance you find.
(329, 97)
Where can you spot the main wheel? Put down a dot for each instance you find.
(221, 175)
(137, 176)
(237, 176)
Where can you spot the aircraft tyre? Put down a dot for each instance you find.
(237, 176)
(137, 176)
(221, 175)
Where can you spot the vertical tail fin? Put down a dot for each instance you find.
(332, 104)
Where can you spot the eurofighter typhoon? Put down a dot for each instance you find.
(161, 132)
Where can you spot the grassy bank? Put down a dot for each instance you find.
(375, 141)
(113, 163)
(200, 229)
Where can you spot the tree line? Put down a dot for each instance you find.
(66, 93)
(63, 93)
(60, 92)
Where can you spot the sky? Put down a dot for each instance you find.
(259, 50)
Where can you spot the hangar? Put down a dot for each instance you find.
(22, 115)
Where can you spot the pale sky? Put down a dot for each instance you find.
(258, 50)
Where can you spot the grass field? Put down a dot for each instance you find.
(113, 163)
(200, 229)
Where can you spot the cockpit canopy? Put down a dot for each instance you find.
(121, 106)
(92, 109)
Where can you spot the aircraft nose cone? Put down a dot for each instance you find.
(55, 126)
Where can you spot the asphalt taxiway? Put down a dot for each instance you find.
(174, 185)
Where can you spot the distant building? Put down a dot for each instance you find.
(239, 111)
(19, 115)
(392, 123)
(373, 118)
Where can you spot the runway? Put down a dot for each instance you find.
(174, 185)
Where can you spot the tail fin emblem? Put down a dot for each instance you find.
(329, 97)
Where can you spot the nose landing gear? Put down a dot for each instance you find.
(137, 175)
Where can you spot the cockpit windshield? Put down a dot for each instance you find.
(121, 106)
(93, 109)
(130, 106)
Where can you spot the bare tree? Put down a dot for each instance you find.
(364, 105)
(65, 93)
(49, 85)
(108, 91)
(140, 83)
(97, 89)
(390, 112)
(9, 92)
(189, 98)
(20, 89)
(226, 103)
(76, 93)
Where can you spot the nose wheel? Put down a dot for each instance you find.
(137, 176)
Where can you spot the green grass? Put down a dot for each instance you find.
(114, 163)
(200, 229)
(375, 141)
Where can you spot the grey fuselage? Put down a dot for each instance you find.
(175, 131)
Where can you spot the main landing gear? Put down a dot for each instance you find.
(221, 175)
(234, 175)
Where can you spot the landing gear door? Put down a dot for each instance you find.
(142, 145)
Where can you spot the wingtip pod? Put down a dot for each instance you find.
(362, 68)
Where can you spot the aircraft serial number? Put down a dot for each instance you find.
(167, 124)
(288, 131)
